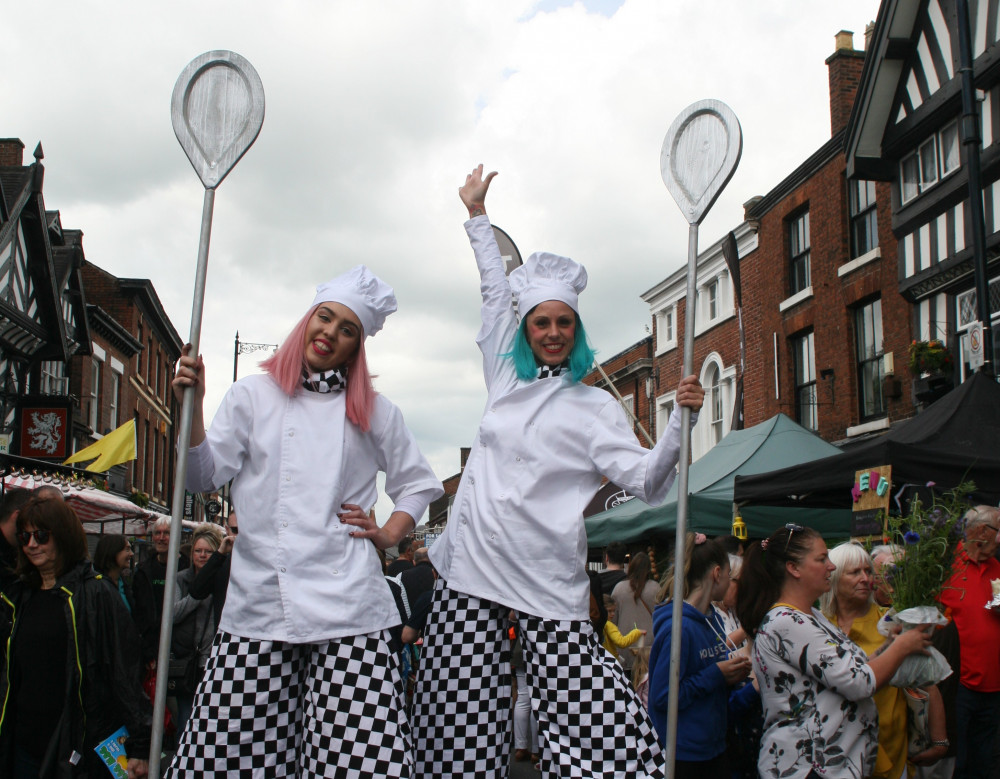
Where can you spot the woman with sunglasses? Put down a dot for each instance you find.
(816, 684)
(73, 669)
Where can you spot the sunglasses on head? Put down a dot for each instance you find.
(40, 536)
(792, 528)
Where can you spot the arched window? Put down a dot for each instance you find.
(716, 404)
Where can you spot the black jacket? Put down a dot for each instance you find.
(103, 644)
(213, 581)
(147, 604)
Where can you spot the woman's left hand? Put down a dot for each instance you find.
(137, 769)
(365, 525)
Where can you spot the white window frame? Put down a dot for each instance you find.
(53, 378)
(804, 378)
(935, 158)
(666, 329)
(95, 386)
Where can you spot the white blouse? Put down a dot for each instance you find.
(816, 688)
(516, 534)
(297, 575)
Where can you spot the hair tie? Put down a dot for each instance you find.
(699, 538)
(763, 544)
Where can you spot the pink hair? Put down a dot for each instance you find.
(286, 365)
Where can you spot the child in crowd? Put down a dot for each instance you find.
(613, 638)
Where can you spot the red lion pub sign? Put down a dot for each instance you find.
(43, 428)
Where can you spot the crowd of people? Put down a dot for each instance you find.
(297, 651)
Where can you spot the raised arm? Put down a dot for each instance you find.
(473, 192)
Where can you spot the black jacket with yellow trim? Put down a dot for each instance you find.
(103, 671)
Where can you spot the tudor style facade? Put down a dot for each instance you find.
(43, 320)
(81, 351)
(906, 131)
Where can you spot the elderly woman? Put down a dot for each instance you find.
(194, 622)
(72, 673)
(304, 639)
(515, 538)
(850, 606)
(112, 556)
(816, 685)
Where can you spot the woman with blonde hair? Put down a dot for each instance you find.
(850, 605)
(194, 622)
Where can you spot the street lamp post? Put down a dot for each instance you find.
(242, 347)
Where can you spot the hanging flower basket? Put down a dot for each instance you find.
(929, 357)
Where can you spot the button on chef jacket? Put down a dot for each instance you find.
(516, 535)
(297, 575)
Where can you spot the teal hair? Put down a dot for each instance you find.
(581, 358)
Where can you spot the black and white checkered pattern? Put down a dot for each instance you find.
(333, 381)
(548, 371)
(461, 707)
(270, 709)
(590, 721)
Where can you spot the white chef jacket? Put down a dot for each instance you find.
(297, 576)
(516, 534)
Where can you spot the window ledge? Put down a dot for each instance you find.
(669, 347)
(857, 262)
(868, 427)
(795, 299)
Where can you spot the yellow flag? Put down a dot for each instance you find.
(116, 447)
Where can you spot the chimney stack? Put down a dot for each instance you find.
(11, 153)
(845, 66)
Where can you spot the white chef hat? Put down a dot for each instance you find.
(370, 298)
(547, 276)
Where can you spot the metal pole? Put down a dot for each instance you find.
(621, 402)
(236, 356)
(972, 141)
(680, 537)
(177, 507)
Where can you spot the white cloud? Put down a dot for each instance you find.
(375, 113)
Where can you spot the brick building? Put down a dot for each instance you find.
(631, 373)
(716, 340)
(826, 329)
(78, 346)
(139, 367)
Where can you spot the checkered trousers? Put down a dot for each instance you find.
(590, 721)
(461, 706)
(272, 709)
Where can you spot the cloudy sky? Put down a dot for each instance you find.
(375, 112)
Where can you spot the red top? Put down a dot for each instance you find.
(966, 593)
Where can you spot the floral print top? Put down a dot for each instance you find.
(816, 688)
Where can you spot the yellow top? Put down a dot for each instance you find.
(891, 702)
(613, 638)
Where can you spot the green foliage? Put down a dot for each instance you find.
(929, 357)
(139, 498)
(929, 537)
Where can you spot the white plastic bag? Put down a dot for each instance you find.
(917, 670)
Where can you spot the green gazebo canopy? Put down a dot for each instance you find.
(776, 443)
